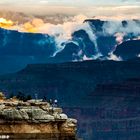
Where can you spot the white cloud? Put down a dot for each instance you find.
(119, 8)
(43, 1)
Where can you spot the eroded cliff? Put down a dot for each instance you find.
(36, 118)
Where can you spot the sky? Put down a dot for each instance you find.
(74, 7)
(69, 2)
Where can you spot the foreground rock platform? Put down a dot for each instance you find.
(36, 119)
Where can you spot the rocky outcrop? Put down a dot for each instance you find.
(34, 116)
(128, 49)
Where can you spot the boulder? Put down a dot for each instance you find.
(45, 108)
(46, 118)
(2, 106)
(11, 114)
(2, 96)
(60, 117)
(37, 102)
(57, 110)
(23, 104)
(39, 114)
(71, 122)
(24, 114)
(63, 116)
(11, 104)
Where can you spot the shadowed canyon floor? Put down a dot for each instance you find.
(102, 95)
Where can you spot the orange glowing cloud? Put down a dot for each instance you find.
(28, 27)
(7, 24)
(32, 26)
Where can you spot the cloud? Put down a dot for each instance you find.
(62, 32)
(74, 7)
(115, 12)
(113, 27)
(43, 1)
(109, 11)
(7, 24)
(22, 2)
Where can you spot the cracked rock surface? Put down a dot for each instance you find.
(34, 116)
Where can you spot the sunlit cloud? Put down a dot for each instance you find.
(7, 24)
(118, 9)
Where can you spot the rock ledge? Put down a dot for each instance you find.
(34, 116)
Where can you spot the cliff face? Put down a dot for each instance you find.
(35, 117)
(81, 88)
(95, 37)
(70, 83)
